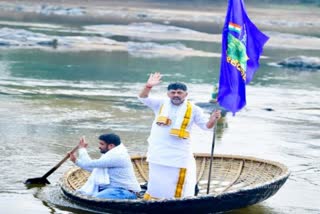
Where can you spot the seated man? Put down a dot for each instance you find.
(112, 175)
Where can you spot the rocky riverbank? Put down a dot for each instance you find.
(138, 27)
(203, 17)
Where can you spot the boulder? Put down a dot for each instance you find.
(301, 62)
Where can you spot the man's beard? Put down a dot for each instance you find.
(103, 151)
(176, 101)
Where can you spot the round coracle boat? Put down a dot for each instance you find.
(236, 182)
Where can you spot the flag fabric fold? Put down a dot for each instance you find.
(242, 45)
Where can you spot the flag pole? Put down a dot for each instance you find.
(211, 156)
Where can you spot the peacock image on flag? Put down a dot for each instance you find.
(242, 45)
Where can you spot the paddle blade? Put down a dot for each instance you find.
(32, 181)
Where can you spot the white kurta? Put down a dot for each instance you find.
(168, 150)
(167, 154)
(112, 169)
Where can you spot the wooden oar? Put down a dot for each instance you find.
(43, 180)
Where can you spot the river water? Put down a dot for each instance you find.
(50, 98)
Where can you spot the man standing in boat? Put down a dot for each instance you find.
(112, 175)
(172, 168)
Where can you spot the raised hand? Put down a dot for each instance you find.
(154, 79)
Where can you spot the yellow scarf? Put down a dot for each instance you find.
(180, 126)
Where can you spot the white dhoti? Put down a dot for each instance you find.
(171, 182)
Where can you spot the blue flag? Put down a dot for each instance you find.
(242, 45)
